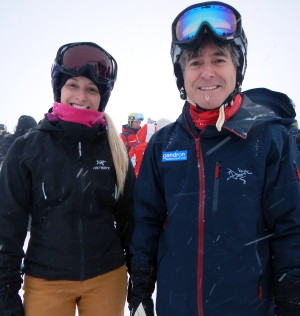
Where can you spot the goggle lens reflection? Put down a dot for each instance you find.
(221, 19)
(79, 56)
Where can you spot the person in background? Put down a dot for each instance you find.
(217, 199)
(3, 131)
(136, 151)
(144, 134)
(3, 134)
(24, 125)
(129, 131)
(73, 174)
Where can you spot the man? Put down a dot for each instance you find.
(217, 218)
(129, 131)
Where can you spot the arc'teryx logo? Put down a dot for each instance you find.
(240, 175)
(100, 165)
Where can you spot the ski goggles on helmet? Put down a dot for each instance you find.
(220, 18)
(77, 58)
(135, 117)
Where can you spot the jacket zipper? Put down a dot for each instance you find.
(200, 226)
(82, 269)
(259, 286)
(297, 171)
(79, 221)
(216, 187)
(201, 176)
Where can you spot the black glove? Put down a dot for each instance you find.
(10, 301)
(141, 287)
(287, 297)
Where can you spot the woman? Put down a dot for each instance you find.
(73, 175)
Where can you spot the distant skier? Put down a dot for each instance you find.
(24, 125)
(3, 134)
(144, 134)
(3, 131)
(129, 130)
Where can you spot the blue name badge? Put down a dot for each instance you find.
(174, 155)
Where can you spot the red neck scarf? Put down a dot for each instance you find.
(67, 113)
(204, 118)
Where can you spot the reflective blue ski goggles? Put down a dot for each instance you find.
(223, 20)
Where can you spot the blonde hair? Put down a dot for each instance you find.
(119, 154)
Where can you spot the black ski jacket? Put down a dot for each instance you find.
(63, 174)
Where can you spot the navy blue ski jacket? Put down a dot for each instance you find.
(217, 214)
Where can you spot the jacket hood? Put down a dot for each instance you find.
(270, 109)
(279, 102)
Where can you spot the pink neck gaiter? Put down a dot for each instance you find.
(67, 113)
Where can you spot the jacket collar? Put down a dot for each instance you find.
(72, 131)
(241, 123)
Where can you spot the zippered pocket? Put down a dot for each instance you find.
(216, 186)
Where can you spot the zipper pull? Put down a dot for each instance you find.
(217, 170)
(79, 149)
(216, 187)
(43, 190)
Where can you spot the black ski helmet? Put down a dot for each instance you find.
(84, 59)
(205, 26)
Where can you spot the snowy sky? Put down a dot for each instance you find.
(138, 34)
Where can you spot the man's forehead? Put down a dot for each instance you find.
(214, 50)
